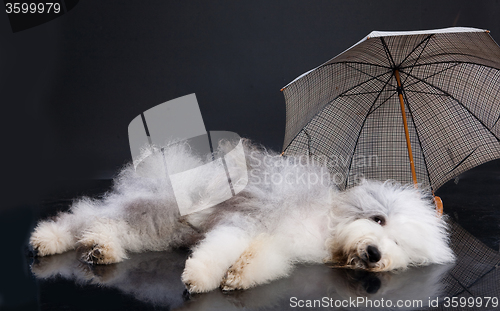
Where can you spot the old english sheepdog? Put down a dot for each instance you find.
(281, 217)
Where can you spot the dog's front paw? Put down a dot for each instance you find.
(51, 238)
(199, 277)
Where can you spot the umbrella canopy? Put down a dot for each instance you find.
(427, 97)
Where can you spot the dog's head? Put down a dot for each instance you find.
(385, 226)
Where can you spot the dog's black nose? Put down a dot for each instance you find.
(373, 253)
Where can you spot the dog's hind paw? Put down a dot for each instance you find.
(232, 281)
(99, 254)
(100, 244)
(236, 276)
(90, 253)
(235, 279)
(198, 277)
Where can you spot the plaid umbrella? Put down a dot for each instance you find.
(419, 106)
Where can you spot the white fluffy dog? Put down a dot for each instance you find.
(279, 219)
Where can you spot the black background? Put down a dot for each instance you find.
(70, 87)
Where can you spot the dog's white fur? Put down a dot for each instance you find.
(277, 220)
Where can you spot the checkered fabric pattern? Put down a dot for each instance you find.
(476, 272)
(346, 112)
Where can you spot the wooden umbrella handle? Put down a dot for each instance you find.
(405, 123)
(439, 205)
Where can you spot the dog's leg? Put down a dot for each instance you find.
(54, 236)
(107, 240)
(102, 242)
(263, 261)
(60, 234)
(212, 258)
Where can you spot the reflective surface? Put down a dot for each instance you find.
(153, 281)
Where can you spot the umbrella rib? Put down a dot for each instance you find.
(362, 126)
(385, 101)
(360, 84)
(434, 74)
(360, 93)
(462, 105)
(496, 121)
(462, 161)
(370, 75)
(426, 40)
(466, 288)
(422, 92)
(308, 141)
(388, 53)
(358, 63)
(452, 62)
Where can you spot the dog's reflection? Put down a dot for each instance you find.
(155, 278)
(412, 288)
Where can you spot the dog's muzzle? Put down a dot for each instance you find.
(372, 254)
(366, 257)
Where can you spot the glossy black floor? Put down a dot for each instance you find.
(151, 281)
